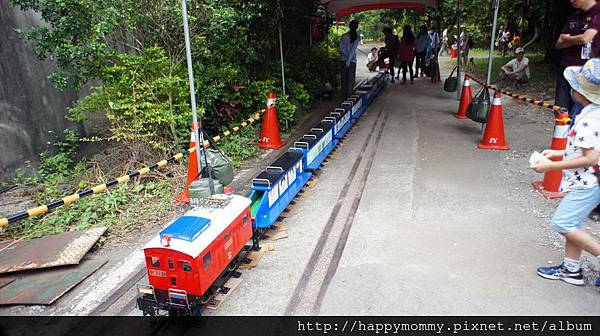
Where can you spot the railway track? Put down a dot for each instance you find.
(302, 299)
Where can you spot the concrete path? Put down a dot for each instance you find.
(409, 218)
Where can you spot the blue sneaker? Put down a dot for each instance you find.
(597, 282)
(561, 273)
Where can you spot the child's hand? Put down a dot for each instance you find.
(542, 167)
(551, 153)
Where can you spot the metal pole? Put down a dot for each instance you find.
(195, 123)
(281, 54)
(490, 56)
(458, 54)
(492, 40)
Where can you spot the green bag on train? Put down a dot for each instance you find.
(480, 106)
(220, 166)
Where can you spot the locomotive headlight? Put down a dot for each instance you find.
(165, 241)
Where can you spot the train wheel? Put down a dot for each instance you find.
(196, 309)
(204, 299)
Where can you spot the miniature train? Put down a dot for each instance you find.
(192, 258)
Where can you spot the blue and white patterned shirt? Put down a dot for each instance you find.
(585, 133)
(347, 49)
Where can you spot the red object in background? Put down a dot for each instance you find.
(192, 172)
(465, 99)
(316, 30)
(550, 186)
(453, 53)
(270, 137)
(493, 138)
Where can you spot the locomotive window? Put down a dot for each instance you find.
(245, 220)
(186, 266)
(155, 262)
(206, 261)
(171, 264)
(227, 235)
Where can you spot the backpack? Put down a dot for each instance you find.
(470, 43)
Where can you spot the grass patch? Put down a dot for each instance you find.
(542, 79)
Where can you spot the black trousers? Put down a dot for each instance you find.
(404, 65)
(420, 62)
(562, 96)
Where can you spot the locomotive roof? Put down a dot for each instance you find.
(220, 218)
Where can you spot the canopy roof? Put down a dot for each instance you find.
(344, 8)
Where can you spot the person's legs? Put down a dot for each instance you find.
(403, 65)
(562, 96)
(344, 79)
(569, 220)
(392, 65)
(410, 68)
(351, 79)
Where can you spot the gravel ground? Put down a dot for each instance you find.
(529, 128)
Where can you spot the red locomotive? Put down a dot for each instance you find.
(194, 255)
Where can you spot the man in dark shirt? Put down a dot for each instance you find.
(579, 41)
(392, 44)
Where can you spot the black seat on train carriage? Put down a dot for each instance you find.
(272, 174)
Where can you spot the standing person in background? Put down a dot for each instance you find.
(578, 41)
(348, 44)
(464, 45)
(435, 41)
(392, 43)
(423, 42)
(506, 39)
(444, 43)
(516, 42)
(499, 39)
(406, 53)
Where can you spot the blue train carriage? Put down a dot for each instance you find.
(317, 144)
(357, 105)
(274, 188)
(369, 88)
(343, 122)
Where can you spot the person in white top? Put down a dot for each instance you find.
(372, 59)
(444, 43)
(581, 174)
(517, 70)
(348, 44)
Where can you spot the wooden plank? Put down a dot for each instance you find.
(255, 257)
(276, 235)
(218, 299)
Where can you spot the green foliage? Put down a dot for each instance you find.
(144, 97)
(241, 146)
(117, 209)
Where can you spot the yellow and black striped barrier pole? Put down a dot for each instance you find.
(40, 210)
(518, 96)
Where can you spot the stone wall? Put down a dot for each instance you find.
(32, 110)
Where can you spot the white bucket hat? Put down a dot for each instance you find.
(585, 79)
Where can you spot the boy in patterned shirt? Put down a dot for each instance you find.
(580, 175)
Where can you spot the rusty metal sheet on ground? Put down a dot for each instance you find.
(57, 250)
(43, 287)
(6, 281)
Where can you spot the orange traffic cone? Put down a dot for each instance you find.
(269, 135)
(465, 99)
(192, 171)
(493, 137)
(549, 188)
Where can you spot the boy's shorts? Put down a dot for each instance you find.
(574, 209)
